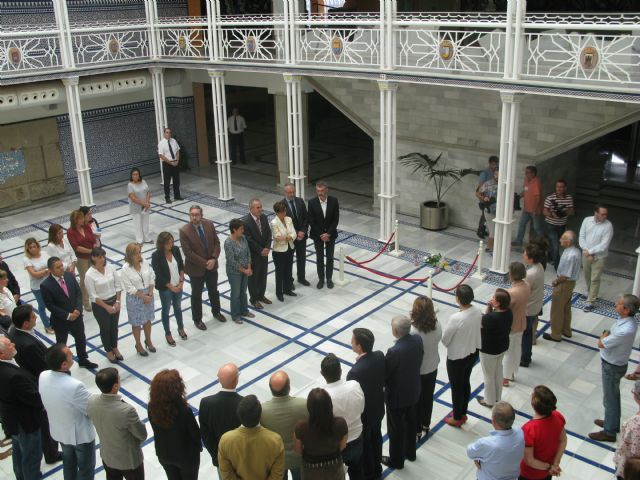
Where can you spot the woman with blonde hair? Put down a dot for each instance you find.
(35, 263)
(138, 281)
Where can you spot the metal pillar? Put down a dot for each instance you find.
(388, 160)
(221, 131)
(295, 133)
(636, 281)
(77, 137)
(160, 107)
(506, 179)
(64, 33)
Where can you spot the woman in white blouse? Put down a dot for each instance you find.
(138, 281)
(7, 302)
(103, 288)
(35, 263)
(59, 247)
(139, 198)
(283, 236)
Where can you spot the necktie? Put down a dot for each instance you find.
(235, 124)
(259, 226)
(64, 287)
(173, 155)
(203, 239)
(293, 208)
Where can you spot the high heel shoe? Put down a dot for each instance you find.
(142, 352)
(170, 340)
(183, 334)
(151, 348)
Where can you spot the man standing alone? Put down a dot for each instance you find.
(169, 152)
(237, 125)
(324, 214)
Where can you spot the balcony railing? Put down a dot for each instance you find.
(573, 50)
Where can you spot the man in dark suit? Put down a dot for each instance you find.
(201, 247)
(13, 285)
(297, 210)
(402, 391)
(20, 410)
(368, 371)
(258, 233)
(63, 298)
(324, 214)
(218, 412)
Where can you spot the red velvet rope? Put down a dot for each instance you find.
(386, 245)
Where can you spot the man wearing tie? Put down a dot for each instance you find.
(237, 125)
(297, 211)
(324, 214)
(201, 248)
(169, 152)
(258, 233)
(63, 298)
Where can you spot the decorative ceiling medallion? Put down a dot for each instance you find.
(446, 50)
(113, 46)
(589, 58)
(182, 42)
(337, 45)
(251, 44)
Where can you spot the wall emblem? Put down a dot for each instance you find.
(589, 58)
(113, 46)
(251, 44)
(446, 50)
(337, 45)
(15, 55)
(182, 42)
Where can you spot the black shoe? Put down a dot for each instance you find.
(56, 458)
(280, 297)
(304, 282)
(167, 200)
(329, 283)
(201, 326)
(265, 300)
(525, 364)
(178, 198)
(149, 347)
(385, 460)
(320, 284)
(291, 294)
(86, 363)
(218, 316)
(293, 287)
(546, 336)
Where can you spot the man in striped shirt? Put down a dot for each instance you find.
(558, 207)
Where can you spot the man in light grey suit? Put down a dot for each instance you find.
(119, 427)
(65, 399)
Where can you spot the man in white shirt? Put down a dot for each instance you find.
(596, 233)
(65, 399)
(169, 152)
(237, 125)
(348, 403)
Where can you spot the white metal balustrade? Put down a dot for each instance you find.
(577, 50)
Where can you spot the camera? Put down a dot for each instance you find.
(560, 210)
(486, 205)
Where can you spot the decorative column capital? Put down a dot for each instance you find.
(510, 96)
(156, 70)
(291, 78)
(216, 73)
(70, 81)
(387, 86)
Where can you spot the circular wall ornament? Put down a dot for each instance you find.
(113, 46)
(14, 55)
(182, 42)
(251, 44)
(337, 45)
(446, 50)
(589, 58)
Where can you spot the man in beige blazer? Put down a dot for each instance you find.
(119, 428)
(201, 248)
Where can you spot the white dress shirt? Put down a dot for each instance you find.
(102, 286)
(174, 273)
(134, 280)
(7, 302)
(279, 229)
(596, 237)
(163, 148)
(461, 335)
(38, 264)
(64, 253)
(348, 403)
(323, 206)
(231, 123)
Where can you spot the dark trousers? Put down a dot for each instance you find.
(424, 408)
(401, 427)
(210, 278)
(115, 474)
(181, 472)
(352, 458)
(108, 323)
(79, 461)
(167, 299)
(236, 144)
(459, 372)
(27, 455)
(169, 172)
(301, 258)
(554, 233)
(258, 281)
(371, 449)
(324, 249)
(284, 265)
(49, 445)
(65, 328)
(527, 340)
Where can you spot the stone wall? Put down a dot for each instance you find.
(43, 175)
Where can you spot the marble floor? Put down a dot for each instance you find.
(295, 335)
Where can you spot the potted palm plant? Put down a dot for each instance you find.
(434, 214)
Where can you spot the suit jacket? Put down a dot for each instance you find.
(180, 443)
(13, 285)
(279, 229)
(217, 417)
(320, 223)
(65, 398)
(195, 254)
(120, 430)
(280, 415)
(301, 220)
(161, 266)
(368, 371)
(20, 403)
(57, 302)
(30, 350)
(257, 241)
(255, 453)
(402, 372)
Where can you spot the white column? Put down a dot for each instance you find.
(64, 33)
(221, 130)
(295, 132)
(636, 281)
(160, 106)
(388, 160)
(506, 179)
(77, 137)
